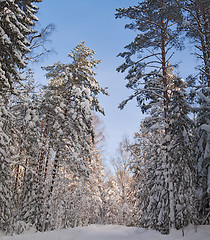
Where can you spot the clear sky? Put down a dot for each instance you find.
(94, 22)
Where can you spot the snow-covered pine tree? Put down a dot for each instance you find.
(65, 133)
(196, 24)
(30, 192)
(6, 139)
(79, 73)
(79, 201)
(154, 209)
(25, 188)
(180, 152)
(202, 153)
(150, 50)
(160, 180)
(147, 61)
(11, 138)
(16, 21)
(67, 107)
(76, 86)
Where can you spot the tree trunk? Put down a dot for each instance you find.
(46, 164)
(203, 29)
(169, 183)
(16, 177)
(164, 70)
(54, 172)
(44, 131)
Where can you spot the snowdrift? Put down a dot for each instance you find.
(113, 232)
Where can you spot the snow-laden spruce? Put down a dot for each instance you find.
(65, 139)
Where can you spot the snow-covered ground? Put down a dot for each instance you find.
(113, 232)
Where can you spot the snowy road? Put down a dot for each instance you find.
(114, 232)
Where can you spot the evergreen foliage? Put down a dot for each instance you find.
(52, 172)
(158, 92)
(17, 19)
(196, 25)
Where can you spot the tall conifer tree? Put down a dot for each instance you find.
(150, 77)
(196, 24)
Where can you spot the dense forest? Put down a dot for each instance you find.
(52, 172)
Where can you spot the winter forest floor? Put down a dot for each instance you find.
(113, 232)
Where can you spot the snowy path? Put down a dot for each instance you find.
(114, 232)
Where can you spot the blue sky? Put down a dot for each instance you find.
(93, 21)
